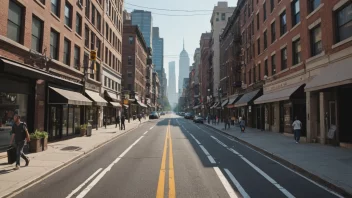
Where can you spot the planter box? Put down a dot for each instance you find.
(44, 142)
(35, 145)
(83, 132)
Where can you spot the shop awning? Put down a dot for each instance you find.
(115, 104)
(62, 96)
(232, 99)
(336, 74)
(246, 98)
(141, 104)
(96, 98)
(196, 107)
(224, 102)
(126, 106)
(280, 95)
(112, 96)
(215, 105)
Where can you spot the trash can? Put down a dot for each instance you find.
(89, 128)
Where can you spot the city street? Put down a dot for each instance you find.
(173, 157)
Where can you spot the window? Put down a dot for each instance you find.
(264, 11)
(37, 34)
(266, 72)
(77, 57)
(86, 36)
(316, 43)
(129, 86)
(54, 40)
(344, 23)
(14, 22)
(257, 21)
(296, 45)
(272, 5)
(87, 8)
(259, 72)
(106, 31)
(105, 81)
(106, 55)
(129, 60)
(252, 27)
(283, 23)
(113, 85)
(283, 58)
(273, 32)
(265, 40)
(55, 7)
(79, 24)
(223, 16)
(93, 15)
(67, 46)
(313, 4)
(130, 39)
(85, 60)
(255, 74)
(68, 15)
(99, 21)
(258, 44)
(249, 77)
(129, 74)
(109, 83)
(295, 12)
(92, 41)
(273, 64)
(98, 48)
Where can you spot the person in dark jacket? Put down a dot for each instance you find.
(123, 122)
(117, 120)
(104, 121)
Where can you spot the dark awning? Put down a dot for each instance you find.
(247, 98)
(277, 95)
(141, 104)
(115, 104)
(224, 102)
(96, 98)
(62, 96)
(111, 95)
(215, 105)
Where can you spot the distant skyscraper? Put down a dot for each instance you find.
(158, 51)
(172, 95)
(183, 67)
(144, 20)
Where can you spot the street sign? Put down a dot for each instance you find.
(93, 55)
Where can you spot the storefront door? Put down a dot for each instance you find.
(55, 122)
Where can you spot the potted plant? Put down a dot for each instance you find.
(77, 130)
(44, 139)
(83, 129)
(35, 143)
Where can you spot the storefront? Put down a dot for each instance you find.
(93, 112)
(65, 109)
(250, 112)
(233, 112)
(111, 110)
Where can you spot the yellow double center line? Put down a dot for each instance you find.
(161, 183)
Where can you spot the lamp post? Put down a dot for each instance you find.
(220, 95)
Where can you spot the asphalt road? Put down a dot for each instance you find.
(173, 157)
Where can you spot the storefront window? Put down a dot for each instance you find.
(77, 114)
(70, 120)
(64, 119)
(11, 104)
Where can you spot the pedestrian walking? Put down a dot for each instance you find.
(139, 116)
(19, 135)
(243, 125)
(297, 125)
(227, 122)
(104, 121)
(123, 122)
(117, 120)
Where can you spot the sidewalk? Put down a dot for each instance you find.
(46, 162)
(323, 163)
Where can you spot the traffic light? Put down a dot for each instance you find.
(93, 55)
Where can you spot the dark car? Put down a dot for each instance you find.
(198, 119)
(162, 113)
(189, 116)
(153, 115)
(182, 114)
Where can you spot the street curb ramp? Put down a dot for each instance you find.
(63, 165)
(290, 165)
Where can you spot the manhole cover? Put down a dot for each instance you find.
(71, 148)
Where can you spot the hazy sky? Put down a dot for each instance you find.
(174, 28)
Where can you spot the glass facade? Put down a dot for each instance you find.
(145, 23)
(158, 51)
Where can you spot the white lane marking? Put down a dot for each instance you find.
(299, 174)
(151, 127)
(101, 175)
(220, 142)
(237, 184)
(225, 183)
(211, 159)
(195, 138)
(145, 132)
(84, 183)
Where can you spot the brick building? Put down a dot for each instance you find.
(204, 72)
(134, 68)
(295, 57)
(44, 52)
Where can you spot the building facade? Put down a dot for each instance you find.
(219, 18)
(134, 66)
(183, 68)
(172, 94)
(204, 68)
(50, 43)
(144, 20)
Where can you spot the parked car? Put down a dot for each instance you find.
(153, 115)
(198, 119)
(189, 116)
(162, 113)
(182, 114)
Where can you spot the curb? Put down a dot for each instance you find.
(290, 165)
(33, 181)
